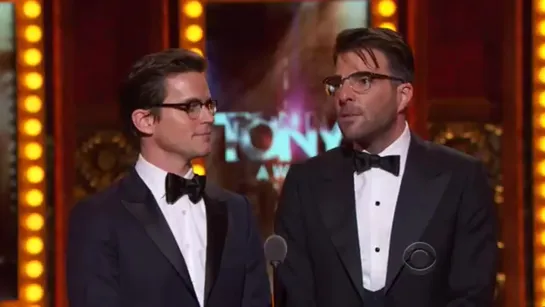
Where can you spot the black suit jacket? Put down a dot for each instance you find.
(445, 201)
(121, 252)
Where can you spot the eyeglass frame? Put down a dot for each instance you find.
(185, 106)
(364, 74)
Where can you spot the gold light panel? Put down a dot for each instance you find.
(192, 36)
(192, 23)
(539, 148)
(384, 14)
(31, 152)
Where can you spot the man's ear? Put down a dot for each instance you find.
(405, 94)
(144, 121)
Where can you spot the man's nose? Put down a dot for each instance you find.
(344, 95)
(207, 116)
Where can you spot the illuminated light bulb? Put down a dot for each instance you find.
(32, 104)
(199, 169)
(34, 293)
(388, 25)
(32, 57)
(541, 214)
(34, 269)
(541, 51)
(33, 33)
(542, 238)
(34, 198)
(541, 28)
(34, 222)
(541, 167)
(541, 190)
(541, 75)
(193, 9)
(35, 174)
(386, 8)
(34, 80)
(197, 51)
(541, 8)
(32, 9)
(32, 127)
(194, 33)
(541, 120)
(541, 143)
(34, 245)
(33, 151)
(541, 99)
(542, 262)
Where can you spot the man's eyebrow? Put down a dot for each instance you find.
(193, 99)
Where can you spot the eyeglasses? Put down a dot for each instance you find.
(193, 108)
(359, 81)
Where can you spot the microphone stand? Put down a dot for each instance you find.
(274, 265)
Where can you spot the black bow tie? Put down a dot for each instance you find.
(176, 187)
(364, 161)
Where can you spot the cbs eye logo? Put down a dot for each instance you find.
(420, 258)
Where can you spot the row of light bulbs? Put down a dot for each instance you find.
(539, 147)
(31, 152)
(384, 14)
(193, 32)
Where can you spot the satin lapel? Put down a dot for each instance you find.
(141, 203)
(216, 215)
(337, 205)
(421, 189)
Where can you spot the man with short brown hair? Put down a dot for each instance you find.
(389, 220)
(161, 236)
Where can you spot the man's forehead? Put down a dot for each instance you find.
(186, 77)
(186, 80)
(362, 60)
(191, 84)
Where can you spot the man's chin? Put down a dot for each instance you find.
(206, 150)
(352, 133)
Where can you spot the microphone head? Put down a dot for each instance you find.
(276, 249)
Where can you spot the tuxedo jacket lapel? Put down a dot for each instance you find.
(421, 189)
(217, 221)
(139, 200)
(337, 205)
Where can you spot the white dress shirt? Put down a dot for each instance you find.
(187, 222)
(376, 193)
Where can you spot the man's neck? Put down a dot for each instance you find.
(168, 162)
(381, 141)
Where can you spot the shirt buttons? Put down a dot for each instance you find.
(377, 249)
(184, 212)
(377, 203)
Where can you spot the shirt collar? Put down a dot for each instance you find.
(154, 177)
(400, 146)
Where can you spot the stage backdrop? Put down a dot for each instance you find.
(266, 72)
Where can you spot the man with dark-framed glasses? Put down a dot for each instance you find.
(386, 219)
(162, 236)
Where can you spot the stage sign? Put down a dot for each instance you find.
(267, 61)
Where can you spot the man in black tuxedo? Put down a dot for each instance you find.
(390, 220)
(161, 236)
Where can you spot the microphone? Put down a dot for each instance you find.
(276, 250)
